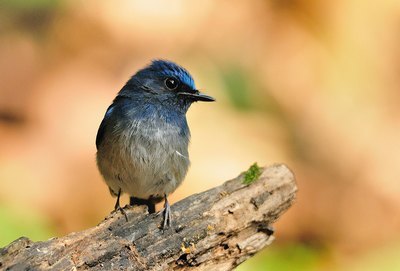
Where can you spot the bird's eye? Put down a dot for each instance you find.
(171, 83)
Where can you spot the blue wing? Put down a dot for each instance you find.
(103, 126)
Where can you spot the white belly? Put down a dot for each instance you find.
(144, 165)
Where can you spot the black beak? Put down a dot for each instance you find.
(197, 96)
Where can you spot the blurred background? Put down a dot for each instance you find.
(312, 84)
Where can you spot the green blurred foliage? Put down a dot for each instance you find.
(238, 87)
(244, 91)
(29, 5)
(386, 259)
(31, 17)
(288, 257)
(14, 222)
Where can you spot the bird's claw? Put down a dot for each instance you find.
(119, 208)
(167, 215)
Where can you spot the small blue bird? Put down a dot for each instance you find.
(142, 142)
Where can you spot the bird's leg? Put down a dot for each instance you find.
(150, 205)
(167, 214)
(118, 207)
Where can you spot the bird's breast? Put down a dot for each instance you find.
(146, 156)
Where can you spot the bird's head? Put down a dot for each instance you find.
(166, 82)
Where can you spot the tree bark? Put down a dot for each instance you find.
(214, 230)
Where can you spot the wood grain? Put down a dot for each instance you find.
(214, 230)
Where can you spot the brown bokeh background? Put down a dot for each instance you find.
(312, 84)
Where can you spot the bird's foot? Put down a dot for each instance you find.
(167, 215)
(118, 207)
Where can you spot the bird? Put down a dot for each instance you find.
(142, 142)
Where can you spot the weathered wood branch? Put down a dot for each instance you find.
(214, 230)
